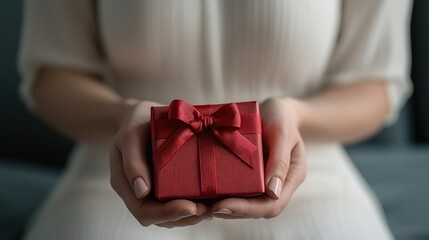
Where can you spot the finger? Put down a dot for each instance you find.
(118, 179)
(297, 171)
(119, 182)
(259, 207)
(185, 222)
(263, 206)
(133, 152)
(149, 212)
(155, 212)
(256, 207)
(279, 153)
(188, 221)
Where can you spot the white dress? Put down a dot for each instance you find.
(218, 51)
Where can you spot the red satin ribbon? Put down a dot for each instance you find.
(224, 125)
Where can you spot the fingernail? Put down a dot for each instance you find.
(140, 187)
(223, 211)
(185, 214)
(275, 186)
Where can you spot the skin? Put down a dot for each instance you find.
(86, 109)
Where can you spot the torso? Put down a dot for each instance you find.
(218, 51)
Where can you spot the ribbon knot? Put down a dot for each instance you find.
(207, 121)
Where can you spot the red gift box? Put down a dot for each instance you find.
(207, 151)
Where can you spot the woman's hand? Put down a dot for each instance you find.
(285, 169)
(130, 176)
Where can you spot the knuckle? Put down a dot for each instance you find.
(273, 213)
(129, 164)
(302, 176)
(113, 183)
(297, 178)
(283, 167)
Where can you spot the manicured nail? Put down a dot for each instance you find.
(185, 214)
(223, 211)
(140, 187)
(275, 186)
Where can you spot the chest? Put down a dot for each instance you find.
(283, 35)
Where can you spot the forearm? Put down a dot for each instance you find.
(346, 114)
(78, 105)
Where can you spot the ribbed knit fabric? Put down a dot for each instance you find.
(218, 51)
(333, 203)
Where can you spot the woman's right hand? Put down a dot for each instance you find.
(131, 179)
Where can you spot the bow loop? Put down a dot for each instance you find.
(182, 114)
(227, 116)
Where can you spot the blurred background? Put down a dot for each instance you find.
(395, 162)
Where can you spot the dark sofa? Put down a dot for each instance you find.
(395, 162)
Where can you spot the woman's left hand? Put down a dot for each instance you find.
(286, 165)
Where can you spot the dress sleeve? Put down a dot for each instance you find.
(373, 44)
(58, 33)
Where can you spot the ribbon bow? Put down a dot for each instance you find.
(223, 123)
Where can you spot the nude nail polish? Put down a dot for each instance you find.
(140, 187)
(275, 187)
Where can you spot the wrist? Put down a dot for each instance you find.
(133, 108)
(300, 108)
(124, 107)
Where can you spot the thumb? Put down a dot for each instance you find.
(133, 151)
(279, 153)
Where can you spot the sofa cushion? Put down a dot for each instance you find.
(23, 187)
(399, 177)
